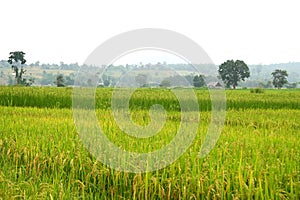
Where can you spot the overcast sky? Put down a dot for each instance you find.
(256, 31)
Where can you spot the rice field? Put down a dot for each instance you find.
(256, 157)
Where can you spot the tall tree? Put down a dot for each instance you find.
(198, 81)
(232, 72)
(60, 81)
(16, 59)
(279, 78)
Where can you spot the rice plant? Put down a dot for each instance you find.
(256, 157)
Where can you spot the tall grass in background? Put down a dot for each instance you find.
(144, 98)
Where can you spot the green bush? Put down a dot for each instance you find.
(257, 90)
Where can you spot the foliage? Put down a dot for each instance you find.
(60, 81)
(47, 79)
(279, 78)
(189, 79)
(165, 83)
(259, 73)
(17, 60)
(45, 97)
(292, 85)
(198, 81)
(70, 79)
(256, 90)
(268, 84)
(26, 82)
(256, 157)
(108, 80)
(232, 72)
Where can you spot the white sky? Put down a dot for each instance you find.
(51, 31)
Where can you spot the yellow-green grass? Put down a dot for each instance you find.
(143, 98)
(256, 157)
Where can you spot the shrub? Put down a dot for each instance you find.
(257, 90)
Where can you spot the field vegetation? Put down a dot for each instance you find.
(256, 157)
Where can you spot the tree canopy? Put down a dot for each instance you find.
(279, 78)
(232, 72)
(17, 60)
(60, 81)
(198, 81)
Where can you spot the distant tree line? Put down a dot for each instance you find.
(233, 73)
